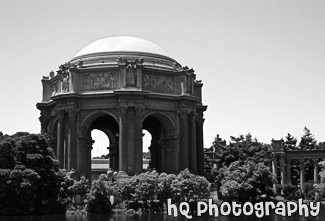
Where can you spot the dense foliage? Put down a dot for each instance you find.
(73, 193)
(29, 175)
(242, 148)
(98, 200)
(246, 181)
(320, 187)
(152, 185)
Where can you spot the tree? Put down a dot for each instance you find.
(246, 181)
(308, 142)
(242, 148)
(29, 173)
(290, 144)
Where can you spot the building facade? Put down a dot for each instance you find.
(121, 86)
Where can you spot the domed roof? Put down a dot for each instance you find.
(122, 43)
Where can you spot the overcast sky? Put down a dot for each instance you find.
(262, 63)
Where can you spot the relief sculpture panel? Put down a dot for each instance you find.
(158, 83)
(102, 81)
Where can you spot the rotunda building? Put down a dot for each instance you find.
(122, 86)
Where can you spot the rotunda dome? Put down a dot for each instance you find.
(122, 44)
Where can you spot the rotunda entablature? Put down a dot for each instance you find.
(102, 68)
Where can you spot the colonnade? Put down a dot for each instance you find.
(279, 159)
(191, 124)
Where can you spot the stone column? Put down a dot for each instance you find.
(72, 147)
(84, 155)
(302, 176)
(288, 167)
(274, 171)
(199, 141)
(282, 173)
(138, 139)
(184, 139)
(171, 156)
(122, 141)
(162, 154)
(315, 170)
(60, 138)
(130, 141)
(193, 146)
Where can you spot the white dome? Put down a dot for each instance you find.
(122, 43)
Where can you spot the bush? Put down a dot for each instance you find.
(246, 181)
(188, 186)
(99, 196)
(290, 191)
(157, 188)
(309, 190)
(73, 193)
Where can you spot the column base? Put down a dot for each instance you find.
(122, 176)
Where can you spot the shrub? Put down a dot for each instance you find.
(246, 181)
(290, 191)
(188, 186)
(150, 186)
(99, 197)
(309, 190)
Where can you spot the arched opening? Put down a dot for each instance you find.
(154, 127)
(162, 146)
(104, 132)
(146, 142)
(100, 145)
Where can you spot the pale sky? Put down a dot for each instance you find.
(261, 62)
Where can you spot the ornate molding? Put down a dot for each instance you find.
(60, 114)
(158, 83)
(121, 110)
(184, 112)
(72, 111)
(102, 81)
(139, 110)
(44, 119)
(124, 62)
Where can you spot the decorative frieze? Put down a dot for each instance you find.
(158, 83)
(102, 81)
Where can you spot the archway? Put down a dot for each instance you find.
(100, 146)
(109, 129)
(146, 142)
(163, 146)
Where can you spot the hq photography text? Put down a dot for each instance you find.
(260, 209)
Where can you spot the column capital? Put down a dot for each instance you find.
(121, 110)
(72, 111)
(60, 113)
(139, 110)
(184, 112)
(193, 114)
